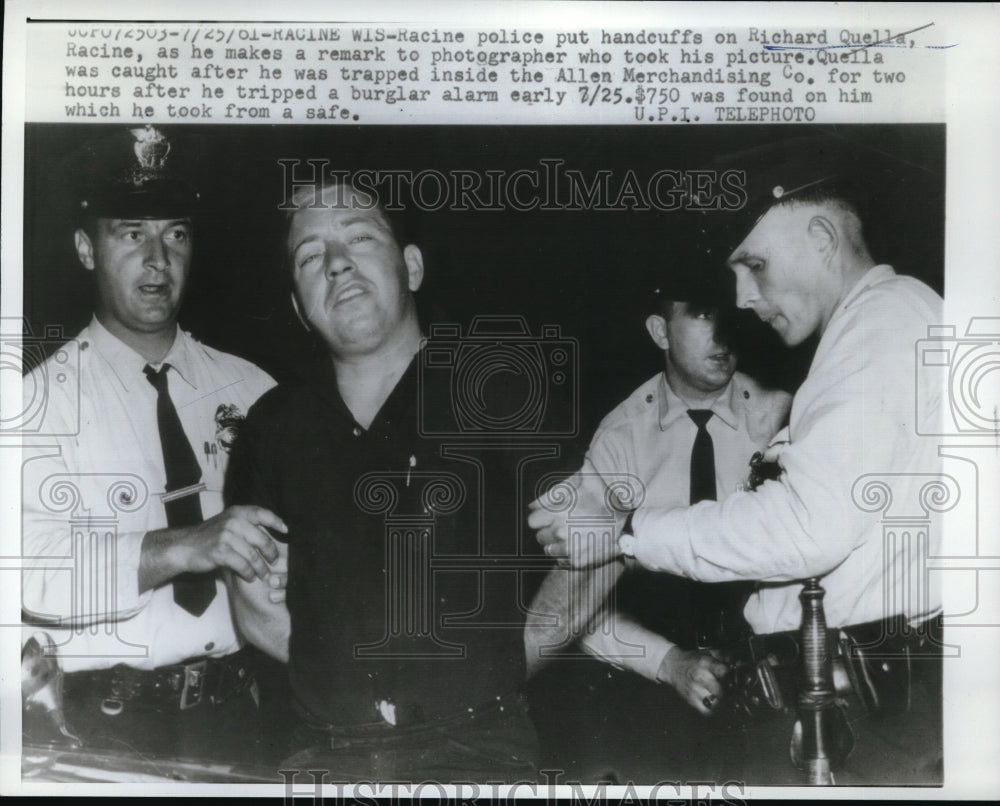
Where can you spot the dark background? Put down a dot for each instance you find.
(590, 272)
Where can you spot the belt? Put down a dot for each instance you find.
(195, 682)
(397, 722)
(872, 661)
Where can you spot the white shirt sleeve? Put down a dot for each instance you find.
(76, 577)
(853, 415)
(626, 644)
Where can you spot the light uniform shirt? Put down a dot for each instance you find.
(650, 436)
(90, 497)
(852, 435)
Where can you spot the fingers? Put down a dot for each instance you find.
(538, 503)
(547, 537)
(704, 698)
(711, 684)
(239, 563)
(277, 583)
(260, 516)
(541, 518)
(698, 678)
(716, 668)
(706, 706)
(244, 559)
(581, 550)
(236, 539)
(266, 545)
(772, 452)
(251, 542)
(556, 548)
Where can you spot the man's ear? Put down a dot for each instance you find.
(656, 326)
(84, 249)
(823, 236)
(414, 261)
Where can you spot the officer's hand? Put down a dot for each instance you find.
(594, 539)
(236, 538)
(696, 675)
(779, 443)
(547, 515)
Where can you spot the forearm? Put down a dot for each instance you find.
(161, 559)
(265, 624)
(566, 603)
(774, 534)
(626, 644)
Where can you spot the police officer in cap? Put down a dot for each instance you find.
(802, 263)
(131, 492)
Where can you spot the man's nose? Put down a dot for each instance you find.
(337, 262)
(747, 293)
(157, 255)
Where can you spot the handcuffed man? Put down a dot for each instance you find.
(803, 265)
(123, 511)
(398, 670)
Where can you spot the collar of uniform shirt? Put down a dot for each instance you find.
(874, 276)
(672, 407)
(127, 365)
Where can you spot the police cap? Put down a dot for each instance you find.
(791, 169)
(694, 274)
(134, 173)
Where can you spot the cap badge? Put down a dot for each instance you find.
(151, 148)
(778, 191)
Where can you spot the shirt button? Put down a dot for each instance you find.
(209, 646)
(746, 395)
(649, 398)
(356, 431)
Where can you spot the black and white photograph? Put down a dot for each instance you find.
(398, 431)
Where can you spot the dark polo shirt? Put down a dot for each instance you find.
(406, 551)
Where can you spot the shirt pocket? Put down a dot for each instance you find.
(213, 460)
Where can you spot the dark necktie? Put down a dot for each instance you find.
(193, 592)
(702, 458)
(717, 607)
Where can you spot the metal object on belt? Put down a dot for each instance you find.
(822, 737)
(42, 721)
